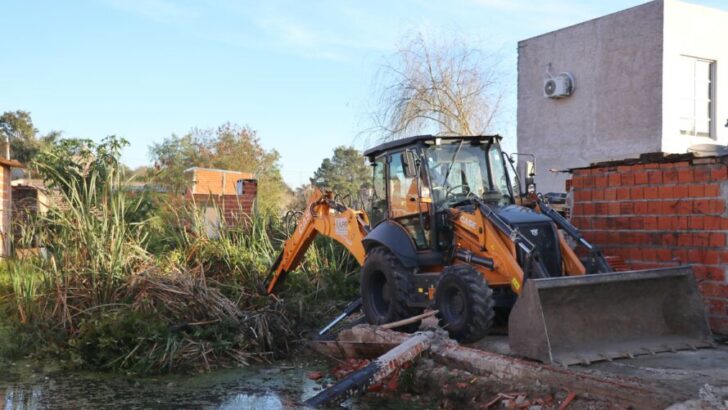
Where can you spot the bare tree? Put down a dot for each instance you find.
(441, 88)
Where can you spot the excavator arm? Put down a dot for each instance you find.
(595, 256)
(326, 217)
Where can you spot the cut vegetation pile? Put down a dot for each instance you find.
(209, 325)
(129, 282)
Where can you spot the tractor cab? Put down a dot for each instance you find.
(417, 182)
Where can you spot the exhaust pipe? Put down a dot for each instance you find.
(583, 319)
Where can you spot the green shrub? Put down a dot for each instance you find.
(121, 340)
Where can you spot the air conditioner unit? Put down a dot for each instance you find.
(559, 86)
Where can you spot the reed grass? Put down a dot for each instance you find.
(128, 282)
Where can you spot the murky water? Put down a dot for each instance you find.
(24, 385)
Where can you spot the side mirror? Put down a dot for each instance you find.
(530, 176)
(410, 163)
(526, 169)
(515, 179)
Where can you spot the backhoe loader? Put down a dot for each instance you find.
(451, 227)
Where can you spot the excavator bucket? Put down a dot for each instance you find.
(583, 319)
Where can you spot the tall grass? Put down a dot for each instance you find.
(125, 285)
(92, 246)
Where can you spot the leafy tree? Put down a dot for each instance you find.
(90, 174)
(139, 172)
(172, 157)
(25, 143)
(346, 173)
(18, 124)
(300, 197)
(228, 147)
(82, 166)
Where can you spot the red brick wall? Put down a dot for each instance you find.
(216, 181)
(234, 208)
(661, 213)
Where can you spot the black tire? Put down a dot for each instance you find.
(385, 288)
(465, 303)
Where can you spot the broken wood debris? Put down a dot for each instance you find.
(359, 381)
(506, 373)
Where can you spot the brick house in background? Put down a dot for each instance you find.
(6, 204)
(661, 210)
(225, 194)
(30, 198)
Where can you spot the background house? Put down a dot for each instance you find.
(646, 79)
(222, 195)
(30, 198)
(6, 205)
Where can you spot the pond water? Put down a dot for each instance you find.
(25, 385)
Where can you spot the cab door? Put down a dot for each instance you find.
(405, 204)
(379, 209)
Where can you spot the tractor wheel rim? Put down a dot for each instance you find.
(381, 295)
(455, 305)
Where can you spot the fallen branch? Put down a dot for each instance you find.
(407, 321)
(498, 398)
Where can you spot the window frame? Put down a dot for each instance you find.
(383, 159)
(414, 218)
(711, 80)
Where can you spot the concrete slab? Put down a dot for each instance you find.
(683, 372)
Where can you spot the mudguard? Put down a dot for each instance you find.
(395, 238)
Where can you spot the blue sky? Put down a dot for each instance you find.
(298, 72)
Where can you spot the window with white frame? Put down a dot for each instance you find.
(696, 96)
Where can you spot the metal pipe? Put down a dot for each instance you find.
(359, 381)
(468, 257)
(350, 308)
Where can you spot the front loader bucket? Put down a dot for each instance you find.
(582, 319)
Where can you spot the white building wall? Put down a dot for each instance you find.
(701, 32)
(628, 86)
(615, 111)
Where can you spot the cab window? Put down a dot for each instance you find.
(399, 186)
(404, 203)
(498, 172)
(379, 192)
